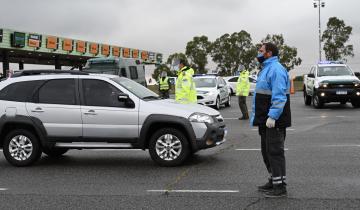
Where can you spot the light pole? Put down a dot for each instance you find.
(319, 4)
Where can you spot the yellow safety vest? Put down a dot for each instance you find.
(185, 90)
(164, 83)
(243, 84)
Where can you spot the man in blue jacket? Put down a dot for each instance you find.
(271, 113)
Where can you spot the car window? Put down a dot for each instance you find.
(19, 91)
(59, 91)
(201, 82)
(334, 71)
(252, 80)
(234, 79)
(133, 72)
(101, 93)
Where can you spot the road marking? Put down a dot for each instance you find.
(342, 145)
(256, 149)
(3, 189)
(195, 191)
(231, 118)
(288, 129)
(340, 116)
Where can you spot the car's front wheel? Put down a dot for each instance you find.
(169, 147)
(317, 103)
(21, 147)
(217, 103)
(228, 103)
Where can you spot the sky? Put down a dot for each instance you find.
(166, 25)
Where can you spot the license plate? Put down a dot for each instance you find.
(341, 92)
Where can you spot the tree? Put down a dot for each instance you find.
(335, 37)
(176, 56)
(287, 54)
(197, 51)
(229, 51)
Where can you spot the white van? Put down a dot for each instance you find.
(124, 67)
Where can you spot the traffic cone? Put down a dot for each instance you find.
(292, 89)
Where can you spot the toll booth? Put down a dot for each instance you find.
(35, 48)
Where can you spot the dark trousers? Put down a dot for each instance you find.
(243, 107)
(164, 93)
(272, 150)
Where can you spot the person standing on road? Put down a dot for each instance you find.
(242, 91)
(185, 90)
(271, 113)
(164, 85)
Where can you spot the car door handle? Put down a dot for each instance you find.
(37, 109)
(90, 112)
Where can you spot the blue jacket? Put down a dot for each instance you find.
(271, 97)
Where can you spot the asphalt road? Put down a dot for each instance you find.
(323, 160)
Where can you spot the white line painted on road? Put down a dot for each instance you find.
(288, 129)
(257, 149)
(3, 189)
(195, 191)
(231, 118)
(340, 116)
(342, 145)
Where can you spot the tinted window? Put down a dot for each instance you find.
(20, 91)
(60, 91)
(133, 72)
(101, 93)
(234, 79)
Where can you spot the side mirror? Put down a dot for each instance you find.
(122, 97)
(311, 75)
(357, 74)
(221, 86)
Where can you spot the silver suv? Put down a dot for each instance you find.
(53, 111)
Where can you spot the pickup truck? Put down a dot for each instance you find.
(331, 82)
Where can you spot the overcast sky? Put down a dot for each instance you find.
(166, 26)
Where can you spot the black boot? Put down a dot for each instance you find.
(266, 187)
(278, 191)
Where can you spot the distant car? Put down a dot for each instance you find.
(232, 80)
(212, 91)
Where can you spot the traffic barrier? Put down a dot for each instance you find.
(292, 89)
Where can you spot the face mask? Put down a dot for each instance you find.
(260, 57)
(176, 68)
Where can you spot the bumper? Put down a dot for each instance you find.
(206, 100)
(338, 95)
(215, 135)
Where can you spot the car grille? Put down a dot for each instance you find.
(339, 86)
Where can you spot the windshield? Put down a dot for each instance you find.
(205, 82)
(135, 88)
(334, 71)
(102, 68)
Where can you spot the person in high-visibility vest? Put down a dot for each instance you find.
(164, 85)
(185, 90)
(242, 90)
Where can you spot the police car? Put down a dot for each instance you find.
(331, 81)
(212, 90)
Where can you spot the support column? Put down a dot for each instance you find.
(21, 65)
(6, 65)
(57, 63)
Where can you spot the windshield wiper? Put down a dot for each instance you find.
(150, 97)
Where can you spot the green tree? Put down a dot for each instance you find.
(229, 51)
(161, 68)
(197, 51)
(335, 37)
(176, 56)
(287, 54)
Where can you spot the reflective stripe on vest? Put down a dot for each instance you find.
(164, 83)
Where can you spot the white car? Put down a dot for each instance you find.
(212, 91)
(232, 80)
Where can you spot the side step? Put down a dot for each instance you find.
(94, 145)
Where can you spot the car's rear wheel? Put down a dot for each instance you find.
(355, 103)
(228, 103)
(307, 98)
(55, 152)
(169, 147)
(317, 103)
(21, 147)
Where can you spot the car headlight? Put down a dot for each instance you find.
(209, 93)
(356, 84)
(201, 118)
(323, 85)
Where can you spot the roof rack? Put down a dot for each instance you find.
(40, 72)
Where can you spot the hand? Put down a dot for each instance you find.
(270, 123)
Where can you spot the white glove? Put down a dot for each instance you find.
(270, 123)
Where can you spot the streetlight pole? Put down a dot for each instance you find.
(319, 4)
